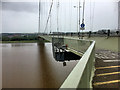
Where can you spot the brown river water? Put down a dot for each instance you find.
(31, 65)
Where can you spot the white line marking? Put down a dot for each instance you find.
(111, 60)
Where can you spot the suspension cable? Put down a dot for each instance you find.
(92, 7)
(79, 20)
(70, 12)
(57, 17)
(90, 16)
(39, 18)
(93, 14)
(48, 16)
(83, 25)
(50, 24)
(83, 11)
(79, 14)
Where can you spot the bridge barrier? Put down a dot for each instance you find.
(81, 75)
(77, 45)
(73, 43)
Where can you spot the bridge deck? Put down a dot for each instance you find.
(107, 74)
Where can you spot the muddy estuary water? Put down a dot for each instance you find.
(30, 65)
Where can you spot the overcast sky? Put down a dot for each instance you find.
(19, 16)
(23, 16)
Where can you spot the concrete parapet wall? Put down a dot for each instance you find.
(81, 75)
(111, 43)
(77, 44)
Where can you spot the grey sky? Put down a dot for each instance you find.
(23, 16)
(19, 16)
(20, 6)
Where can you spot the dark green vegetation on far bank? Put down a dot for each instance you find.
(20, 38)
(32, 41)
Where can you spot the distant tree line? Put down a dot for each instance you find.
(19, 38)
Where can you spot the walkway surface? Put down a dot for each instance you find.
(107, 74)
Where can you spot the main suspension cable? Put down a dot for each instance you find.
(50, 24)
(48, 16)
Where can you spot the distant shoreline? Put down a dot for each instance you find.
(31, 41)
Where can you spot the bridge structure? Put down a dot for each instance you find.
(94, 69)
(82, 74)
(91, 71)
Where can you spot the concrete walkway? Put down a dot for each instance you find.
(107, 74)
